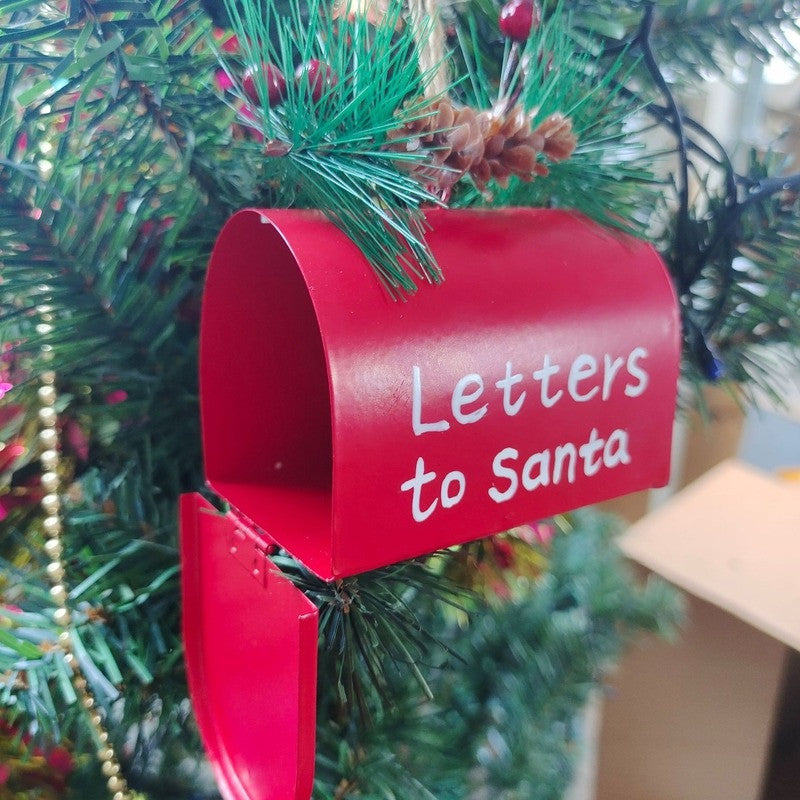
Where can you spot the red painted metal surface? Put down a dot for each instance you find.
(251, 659)
(359, 431)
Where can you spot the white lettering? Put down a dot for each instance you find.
(542, 478)
(544, 374)
(635, 371)
(448, 500)
(611, 369)
(501, 471)
(415, 485)
(461, 398)
(616, 449)
(563, 452)
(417, 424)
(588, 452)
(559, 464)
(584, 366)
(511, 407)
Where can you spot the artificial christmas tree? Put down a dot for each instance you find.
(130, 132)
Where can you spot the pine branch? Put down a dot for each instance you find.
(373, 631)
(608, 177)
(691, 36)
(740, 296)
(329, 128)
(503, 704)
(124, 601)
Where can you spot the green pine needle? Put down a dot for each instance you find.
(332, 146)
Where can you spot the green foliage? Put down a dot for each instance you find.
(743, 292)
(501, 721)
(330, 145)
(609, 176)
(120, 159)
(691, 36)
(695, 36)
(122, 572)
(373, 633)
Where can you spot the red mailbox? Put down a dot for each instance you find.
(356, 431)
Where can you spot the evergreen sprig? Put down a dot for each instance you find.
(121, 567)
(708, 241)
(743, 295)
(501, 721)
(372, 633)
(330, 129)
(608, 177)
(691, 37)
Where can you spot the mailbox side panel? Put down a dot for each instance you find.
(539, 377)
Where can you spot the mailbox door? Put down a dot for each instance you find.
(251, 656)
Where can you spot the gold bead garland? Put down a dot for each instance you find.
(53, 529)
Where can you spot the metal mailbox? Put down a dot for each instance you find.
(355, 430)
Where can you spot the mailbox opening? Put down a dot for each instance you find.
(262, 357)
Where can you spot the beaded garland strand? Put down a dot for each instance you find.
(53, 529)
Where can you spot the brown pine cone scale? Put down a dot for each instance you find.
(489, 145)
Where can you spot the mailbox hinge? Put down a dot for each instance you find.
(250, 546)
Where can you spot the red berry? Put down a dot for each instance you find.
(276, 84)
(319, 76)
(518, 17)
(249, 85)
(60, 759)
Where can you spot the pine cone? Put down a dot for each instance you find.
(511, 149)
(490, 145)
(452, 138)
(559, 140)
